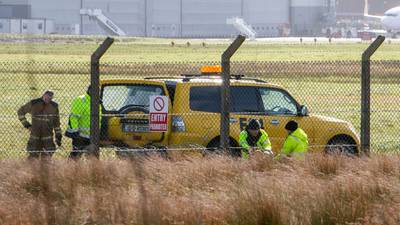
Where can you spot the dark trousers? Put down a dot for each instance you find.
(40, 148)
(79, 146)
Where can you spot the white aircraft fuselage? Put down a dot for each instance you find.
(391, 19)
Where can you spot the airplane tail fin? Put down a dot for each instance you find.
(366, 12)
(366, 8)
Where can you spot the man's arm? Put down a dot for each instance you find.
(56, 120)
(266, 144)
(288, 146)
(243, 141)
(22, 112)
(73, 120)
(75, 115)
(287, 149)
(56, 125)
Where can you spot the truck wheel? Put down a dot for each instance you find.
(156, 150)
(342, 145)
(214, 148)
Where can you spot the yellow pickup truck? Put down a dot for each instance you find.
(194, 118)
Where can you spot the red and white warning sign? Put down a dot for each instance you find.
(158, 113)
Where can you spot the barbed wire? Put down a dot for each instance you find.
(133, 150)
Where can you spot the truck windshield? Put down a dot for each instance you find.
(117, 97)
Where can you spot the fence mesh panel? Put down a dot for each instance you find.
(330, 89)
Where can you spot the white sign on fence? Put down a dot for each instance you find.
(158, 113)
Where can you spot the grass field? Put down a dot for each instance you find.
(219, 190)
(331, 89)
(64, 49)
(190, 189)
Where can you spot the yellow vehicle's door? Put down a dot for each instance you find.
(279, 108)
(245, 105)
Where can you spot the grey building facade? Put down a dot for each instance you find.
(180, 18)
(308, 17)
(12, 9)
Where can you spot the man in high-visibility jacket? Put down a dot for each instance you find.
(253, 138)
(296, 143)
(79, 125)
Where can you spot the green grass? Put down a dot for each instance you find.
(27, 69)
(64, 49)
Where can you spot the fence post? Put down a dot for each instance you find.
(366, 94)
(95, 95)
(225, 90)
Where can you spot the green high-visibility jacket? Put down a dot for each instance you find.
(79, 120)
(296, 145)
(263, 143)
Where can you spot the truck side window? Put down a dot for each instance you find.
(205, 99)
(244, 99)
(117, 97)
(171, 86)
(277, 102)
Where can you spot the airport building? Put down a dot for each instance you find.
(168, 18)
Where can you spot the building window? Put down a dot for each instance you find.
(24, 26)
(40, 26)
(1, 26)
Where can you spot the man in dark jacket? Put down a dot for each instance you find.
(45, 119)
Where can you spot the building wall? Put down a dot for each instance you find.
(65, 14)
(186, 18)
(202, 18)
(5, 25)
(267, 16)
(129, 15)
(172, 18)
(190, 18)
(163, 18)
(15, 9)
(356, 7)
(308, 16)
(14, 2)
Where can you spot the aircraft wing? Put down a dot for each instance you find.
(373, 17)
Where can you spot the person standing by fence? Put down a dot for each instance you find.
(45, 119)
(79, 125)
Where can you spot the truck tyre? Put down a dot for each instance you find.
(342, 145)
(214, 148)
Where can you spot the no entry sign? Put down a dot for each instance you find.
(158, 113)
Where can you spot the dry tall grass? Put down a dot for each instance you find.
(213, 190)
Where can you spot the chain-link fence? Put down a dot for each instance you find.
(272, 92)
